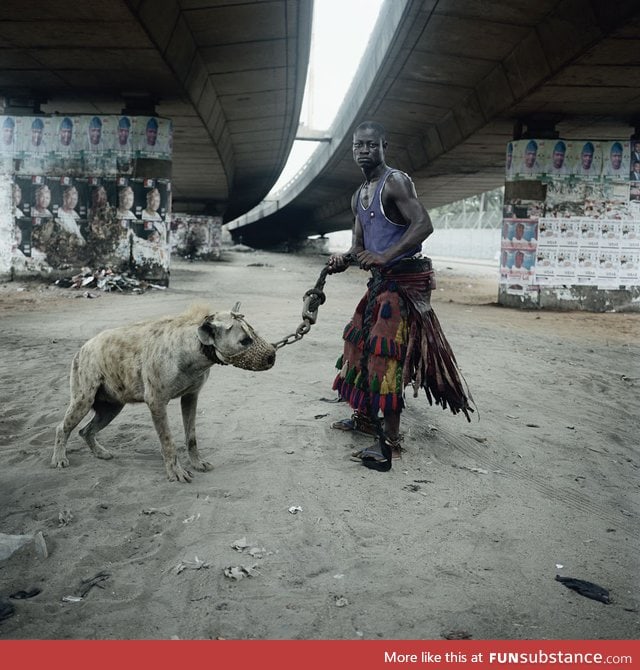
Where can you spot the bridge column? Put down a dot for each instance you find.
(84, 191)
(571, 227)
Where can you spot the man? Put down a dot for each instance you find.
(8, 135)
(635, 171)
(95, 134)
(67, 216)
(614, 166)
(558, 165)
(42, 198)
(635, 152)
(394, 338)
(586, 166)
(66, 135)
(530, 165)
(37, 144)
(124, 129)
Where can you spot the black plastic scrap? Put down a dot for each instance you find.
(586, 589)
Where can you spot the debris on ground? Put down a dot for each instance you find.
(239, 572)
(23, 595)
(7, 609)
(457, 635)
(586, 589)
(196, 564)
(105, 279)
(294, 509)
(87, 584)
(64, 517)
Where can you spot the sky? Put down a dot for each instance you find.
(340, 32)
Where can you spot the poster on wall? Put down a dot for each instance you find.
(587, 219)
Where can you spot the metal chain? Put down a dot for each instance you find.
(313, 298)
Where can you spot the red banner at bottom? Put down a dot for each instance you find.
(332, 654)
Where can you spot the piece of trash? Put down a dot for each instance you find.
(481, 471)
(411, 487)
(320, 416)
(571, 427)
(192, 518)
(23, 595)
(341, 601)
(64, 517)
(559, 566)
(586, 589)
(241, 544)
(338, 576)
(41, 545)
(294, 509)
(155, 510)
(7, 609)
(289, 451)
(457, 635)
(257, 552)
(11, 543)
(196, 564)
(532, 425)
(71, 599)
(510, 416)
(239, 572)
(87, 584)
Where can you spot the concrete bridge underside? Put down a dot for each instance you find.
(455, 81)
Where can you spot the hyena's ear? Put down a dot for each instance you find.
(211, 328)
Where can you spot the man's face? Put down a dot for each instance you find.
(123, 136)
(95, 133)
(616, 160)
(70, 198)
(587, 159)
(126, 198)
(17, 195)
(519, 231)
(152, 136)
(519, 259)
(153, 201)
(65, 136)
(558, 159)
(43, 198)
(368, 148)
(530, 157)
(7, 135)
(36, 137)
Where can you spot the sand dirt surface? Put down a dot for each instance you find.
(464, 536)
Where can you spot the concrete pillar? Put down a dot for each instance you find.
(80, 192)
(571, 227)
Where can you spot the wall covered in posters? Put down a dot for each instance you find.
(571, 216)
(85, 191)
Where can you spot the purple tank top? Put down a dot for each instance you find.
(378, 231)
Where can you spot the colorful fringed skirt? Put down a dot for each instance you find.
(394, 340)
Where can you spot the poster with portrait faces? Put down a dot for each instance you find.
(153, 137)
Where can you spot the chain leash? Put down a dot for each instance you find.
(312, 300)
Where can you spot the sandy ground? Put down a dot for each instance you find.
(465, 535)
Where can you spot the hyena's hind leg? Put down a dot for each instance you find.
(105, 413)
(82, 397)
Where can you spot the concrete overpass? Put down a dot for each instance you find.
(454, 81)
(230, 74)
